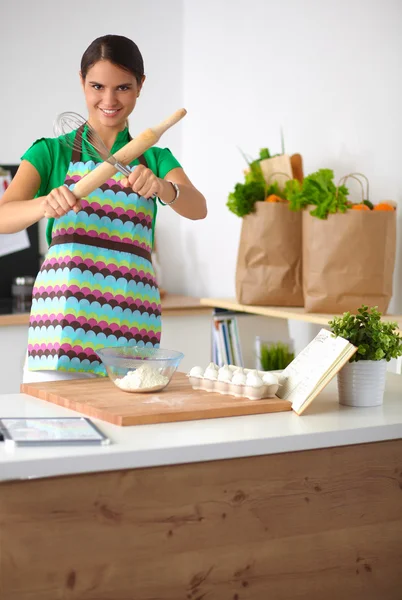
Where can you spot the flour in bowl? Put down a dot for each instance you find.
(142, 378)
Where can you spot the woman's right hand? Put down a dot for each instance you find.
(59, 202)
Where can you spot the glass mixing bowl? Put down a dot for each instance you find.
(135, 369)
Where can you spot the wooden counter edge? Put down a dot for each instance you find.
(14, 319)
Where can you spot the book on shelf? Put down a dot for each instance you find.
(313, 368)
(226, 346)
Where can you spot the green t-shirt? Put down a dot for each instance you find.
(51, 158)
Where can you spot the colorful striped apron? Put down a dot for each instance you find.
(97, 285)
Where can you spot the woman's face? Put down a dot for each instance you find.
(110, 94)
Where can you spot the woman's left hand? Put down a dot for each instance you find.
(143, 182)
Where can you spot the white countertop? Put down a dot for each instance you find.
(324, 424)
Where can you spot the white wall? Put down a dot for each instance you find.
(327, 71)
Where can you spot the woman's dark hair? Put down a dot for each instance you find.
(119, 50)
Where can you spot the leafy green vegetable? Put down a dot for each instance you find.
(274, 188)
(374, 339)
(318, 189)
(293, 192)
(264, 154)
(241, 202)
(254, 173)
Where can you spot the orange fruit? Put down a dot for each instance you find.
(383, 206)
(360, 207)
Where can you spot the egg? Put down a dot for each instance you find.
(239, 378)
(196, 372)
(225, 374)
(211, 373)
(270, 379)
(254, 380)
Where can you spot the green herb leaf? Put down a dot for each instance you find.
(294, 194)
(275, 357)
(242, 200)
(318, 189)
(264, 154)
(375, 339)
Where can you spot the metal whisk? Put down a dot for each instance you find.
(68, 122)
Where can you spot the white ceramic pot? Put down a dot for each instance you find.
(362, 383)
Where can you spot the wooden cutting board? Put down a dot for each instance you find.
(101, 399)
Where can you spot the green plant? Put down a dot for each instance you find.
(254, 173)
(318, 189)
(275, 357)
(375, 339)
(242, 200)
(293, 192)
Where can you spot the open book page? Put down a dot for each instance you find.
(313, 368)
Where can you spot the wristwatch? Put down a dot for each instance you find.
(177, 193)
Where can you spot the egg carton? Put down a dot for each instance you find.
(234, 389)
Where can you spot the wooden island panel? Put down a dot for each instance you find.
(311, 525)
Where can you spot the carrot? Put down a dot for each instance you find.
(360, 207)
(383, 206)
(273, 198)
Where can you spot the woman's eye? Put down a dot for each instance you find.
(96, 86)
(123, 88)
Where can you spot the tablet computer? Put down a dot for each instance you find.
(49, 431)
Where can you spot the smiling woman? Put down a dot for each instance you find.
(97, 285)
(112, 79)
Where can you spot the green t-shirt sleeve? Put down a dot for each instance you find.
(165, 162)
(40, 157)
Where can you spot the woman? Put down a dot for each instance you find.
(96, 286)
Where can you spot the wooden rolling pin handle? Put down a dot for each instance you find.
(125, 155)
(169, 122)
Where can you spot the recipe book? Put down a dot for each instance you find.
(313, 368)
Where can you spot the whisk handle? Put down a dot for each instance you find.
(125, 155)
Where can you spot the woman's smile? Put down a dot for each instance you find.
(110, 112)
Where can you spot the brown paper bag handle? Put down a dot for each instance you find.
(367, 183)
(365, 179)
(278, 173)
(343, 180)
(268, 183)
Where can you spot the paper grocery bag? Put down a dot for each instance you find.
(278, 168)
(348, 260)
(269, 267)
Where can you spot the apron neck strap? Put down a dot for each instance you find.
(76, 155)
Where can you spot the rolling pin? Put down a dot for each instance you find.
(125, 155)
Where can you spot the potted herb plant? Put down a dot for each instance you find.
(273, 356)
(361, 381)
